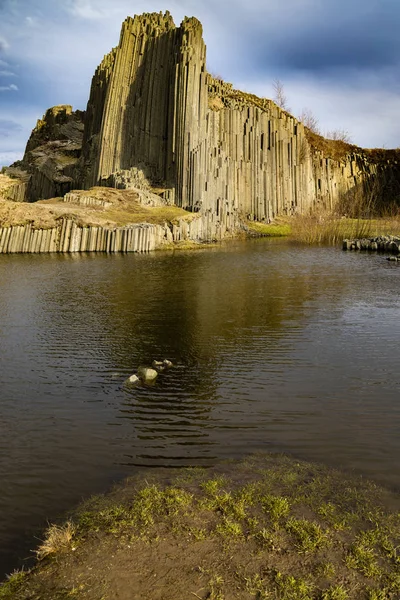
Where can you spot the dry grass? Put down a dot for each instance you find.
(125, 209)
(327, 228)
(58, 539)
(5, 184)
(336, 149)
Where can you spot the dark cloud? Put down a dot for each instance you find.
(332, 51)
(341, 49)
(336, 36)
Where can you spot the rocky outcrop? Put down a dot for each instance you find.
(382, 243)
(216, 149)
(14, 185)
(68, 236)
(156, 121)
(51, 154)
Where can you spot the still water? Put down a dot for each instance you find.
(277, 348)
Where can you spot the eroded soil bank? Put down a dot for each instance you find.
(269, 526)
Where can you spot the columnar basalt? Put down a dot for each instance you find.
(216, 149)
(68, 236)
(156, 118)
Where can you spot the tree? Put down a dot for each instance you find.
(280, 96)
(341, 135)
(309, 120)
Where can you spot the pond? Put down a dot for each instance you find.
(277, 347)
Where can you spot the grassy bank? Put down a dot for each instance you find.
(326, 228)
(269, 527)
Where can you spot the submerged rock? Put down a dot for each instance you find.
(147, 374)
(161, 365)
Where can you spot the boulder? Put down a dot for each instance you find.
(147, 374)
(133, 379)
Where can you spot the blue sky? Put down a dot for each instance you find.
(338, 58)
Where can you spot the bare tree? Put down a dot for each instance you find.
(309, 120)
(280, 96)
(341, 135)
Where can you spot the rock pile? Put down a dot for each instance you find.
(382, 243)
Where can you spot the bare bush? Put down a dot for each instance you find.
(309, 120)
(216, 76)
(280, 97)
(341, 135)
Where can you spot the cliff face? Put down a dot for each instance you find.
(156, 115)
(215, 149)
(138, 107)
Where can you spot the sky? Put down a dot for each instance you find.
(340, 59)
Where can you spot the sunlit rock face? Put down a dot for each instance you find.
(155, 113)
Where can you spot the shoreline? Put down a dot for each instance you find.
(309, 523)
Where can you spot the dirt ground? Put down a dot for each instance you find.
(269, 527)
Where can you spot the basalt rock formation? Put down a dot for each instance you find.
(51, 154)
(156, 118)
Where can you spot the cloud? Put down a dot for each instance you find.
(9, 128)
(337, 57)
(4, 45)
(84, 9)
(8, 88)
(370, 116)
(324, 35)
(16, 125)
(7, 158)
(7, 74)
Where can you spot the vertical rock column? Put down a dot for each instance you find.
(129, 112)
(190, 109)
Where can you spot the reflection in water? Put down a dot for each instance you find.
(276, 347)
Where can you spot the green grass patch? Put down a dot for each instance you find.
(309, 536)
(276, 229)
(12, 584)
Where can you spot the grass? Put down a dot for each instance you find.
(327, 228)
(336, 592)
(12, 584)
(125, 210)
(309, 535)
(277, 507)
(276, 229)
(58, 538)
(268, 527)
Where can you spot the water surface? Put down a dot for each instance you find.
(277, 347)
